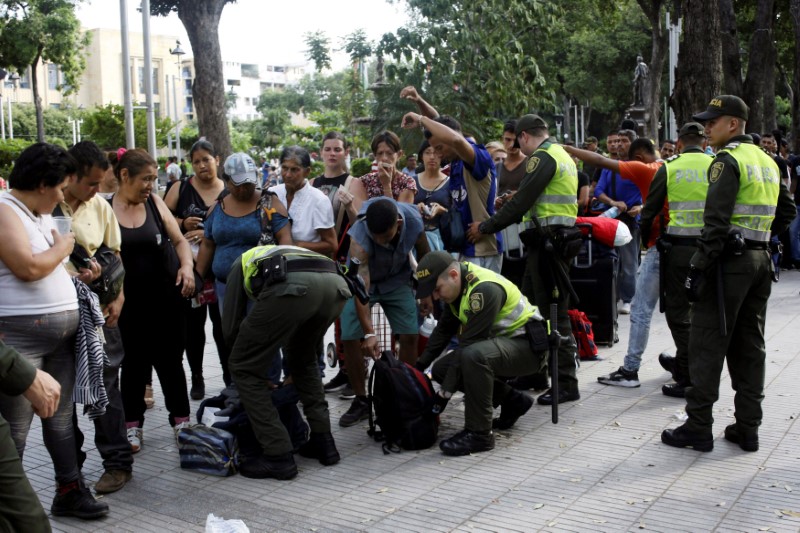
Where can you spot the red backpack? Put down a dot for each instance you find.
(582, 330)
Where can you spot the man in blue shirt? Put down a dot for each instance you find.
(381, 239)
(473, 181)
(624, 195)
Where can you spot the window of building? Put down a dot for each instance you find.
(140, 78)
(249, 70)
(155, 80)
(52, 76)
(25, 79)
(280, 69)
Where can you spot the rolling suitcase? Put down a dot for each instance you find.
(593, 274)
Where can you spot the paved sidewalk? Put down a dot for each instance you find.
(602, 468)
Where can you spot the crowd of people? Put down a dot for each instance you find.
(266, 262)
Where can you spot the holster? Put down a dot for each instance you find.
(536, 332)
(567, 242)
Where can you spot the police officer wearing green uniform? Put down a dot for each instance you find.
(683, 182)
(494, 322)
(297, 295)
(730, 279)
(20, 508)
(546, 201)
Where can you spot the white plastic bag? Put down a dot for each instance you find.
(217, 524)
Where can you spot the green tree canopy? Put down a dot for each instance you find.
(106, 126)
(42, 30)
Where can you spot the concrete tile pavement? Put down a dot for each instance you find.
(602, 468)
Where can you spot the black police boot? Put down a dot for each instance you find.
(75, 499)
(466, 442)
(563, 396)
(748, 441)
(198, 390)
(532, 381)
(514, 406)
(681, 437)
(675, 390)
(270, 466)
(669, 363)
(322, 447)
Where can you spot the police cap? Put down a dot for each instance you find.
(430, 267)
(529, 122)
(724, 104)
(692, 128)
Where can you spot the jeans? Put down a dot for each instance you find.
(628, 263)
(794, 236)
(642, 306)
(109, 429)
(492, 262)
(48, 342)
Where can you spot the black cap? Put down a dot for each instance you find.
(528, 122)
(692, 128)
(429, 269)
(590, 140)
(724, 104)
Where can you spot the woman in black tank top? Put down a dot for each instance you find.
(151, 318)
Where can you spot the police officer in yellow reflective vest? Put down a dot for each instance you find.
(547, 202)
(297, 295)
(495, 324)
(683, 182)
(730, 279)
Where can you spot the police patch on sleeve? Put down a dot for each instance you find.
(476, 302)
(716, 171)
(533, 162)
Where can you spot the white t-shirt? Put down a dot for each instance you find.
(173, 172)
(310, 211)
(52, 294)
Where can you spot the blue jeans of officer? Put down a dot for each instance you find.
(642, 306)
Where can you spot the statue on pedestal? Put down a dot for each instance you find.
(640, 75)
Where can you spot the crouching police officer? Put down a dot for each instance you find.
(730, 279)
(495, 322)
(297, 295)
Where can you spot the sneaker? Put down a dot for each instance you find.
(338, 382)
(621, 378)
(75, 499)
(149, 401)
(359, 410)
(198, 391)
(136, 439)
(112, 481)
(347, 393)
(625, 309)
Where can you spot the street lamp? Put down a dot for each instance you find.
(177, 52)
(11, 82)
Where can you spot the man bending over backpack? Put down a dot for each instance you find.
(496, 322)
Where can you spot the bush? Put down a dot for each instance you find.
(317, 169)
(360, 166)
(9, 152)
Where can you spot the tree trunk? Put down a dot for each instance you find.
(698, 76)
(658, 55)
(795, 133)
(37, 100)
(731, 60)
(759, 85)
(201, 20)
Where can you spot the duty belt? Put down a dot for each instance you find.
(680, 241)
(756, 245)
(311, 265)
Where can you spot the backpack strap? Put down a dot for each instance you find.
(342, 208)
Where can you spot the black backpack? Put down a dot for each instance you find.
(401, 398)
